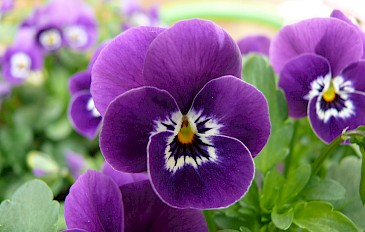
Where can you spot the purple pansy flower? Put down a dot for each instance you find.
(180, 110)
(85, 118)
(76, 163)
(321, 74)
(134, 15)
(96, 203)
(21, 58)
(254, 43)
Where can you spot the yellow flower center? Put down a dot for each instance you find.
(186, 133)
(330, 94)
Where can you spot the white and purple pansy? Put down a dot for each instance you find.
(321, 74)
(173, 103)
(97, 203)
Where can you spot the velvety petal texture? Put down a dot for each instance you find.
(185, 57)
(83, 114)
(254, 43)
(94, 204)
(296, 78)
(239, 108)
(128, 123)
(144, 211)
(119, 66)
(214, 183)
(122, 178)
(319, 36)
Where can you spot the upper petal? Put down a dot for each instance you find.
(119, 65)
(337, 41)
(185, 57)
(239, 108)
(128, 123)
(144, 211)
(94, 204)
(79, 82)
(199, 177)
(296, 78)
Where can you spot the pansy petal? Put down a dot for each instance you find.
(185, 57)
(119, 65)
(333, 127)
(296, 78)
(238, 108)
(79, 82)
(84, 117)
(94, 204)
(254, 43)
(200, 183)
(355, 75)
(128, 123)
(122, 178)
(320, 36)
(144, 211)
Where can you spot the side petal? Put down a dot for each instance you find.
(83, 115)
(185, 57)
(238, 108)
(94, 204)
(212, 183)
(128, 123)
(144, 211)
(354, 74)
(79, 82)
(119, 65)
(319, 36)
(333, 127)
(122, 178)
(296, 78)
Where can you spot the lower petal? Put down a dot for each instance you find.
(329, 126)
(200, 183)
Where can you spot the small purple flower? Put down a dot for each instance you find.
(134, 15)
(254, 43)
(76, 163)
(84, 117)
(96, 203)
(21, 58)
(6, 6)
(321, 74)
(180, 110)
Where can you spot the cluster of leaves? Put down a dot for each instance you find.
(296, 188)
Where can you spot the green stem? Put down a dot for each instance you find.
(208, 214)
(291, 147)
(222, 11)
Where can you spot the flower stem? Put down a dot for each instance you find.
(222, 11)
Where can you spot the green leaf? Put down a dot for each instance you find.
(295, 182)
(31, 209)
(282, 220)
(320, 217)
(272, 184)
(209, 218)
(257, 71)
(323, 189)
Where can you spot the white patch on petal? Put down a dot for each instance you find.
(319, 86)
(51, 39)
(91, 107)
(76, 36)
(20, 65)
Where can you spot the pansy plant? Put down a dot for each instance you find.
(173, 104)
(321, 74)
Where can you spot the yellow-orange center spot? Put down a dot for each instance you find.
(330, 94)
(186, 133)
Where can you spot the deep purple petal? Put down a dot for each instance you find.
(128, 123)
(122, 178)
(331, 38)
(254, 43)
(119, 65)
(94, 204)
(239, 108)
(201, 184)
(84, 117)
(328, 131)
(144, 211)
(79, 82)
(296, 78)
(355, 73)
(185, 57)
(76, 163)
